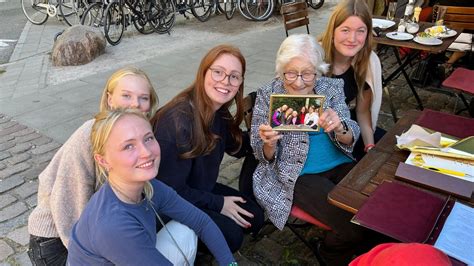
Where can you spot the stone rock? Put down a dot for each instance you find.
(78, 45)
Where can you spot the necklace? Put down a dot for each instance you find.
(119, 191)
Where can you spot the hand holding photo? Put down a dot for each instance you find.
(295, 112)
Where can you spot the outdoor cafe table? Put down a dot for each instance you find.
(416, 49)
(381, 162)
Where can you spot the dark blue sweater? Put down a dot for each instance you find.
(193, 178)
(113, 232)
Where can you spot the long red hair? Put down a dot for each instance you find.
(203, 141)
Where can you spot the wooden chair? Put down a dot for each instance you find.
(457, 16)
(462, 81)
(245, 186)
(295, 15)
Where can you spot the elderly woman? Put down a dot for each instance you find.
(299, 167)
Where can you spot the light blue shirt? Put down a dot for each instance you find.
(323, 155)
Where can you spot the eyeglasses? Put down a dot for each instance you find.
(306, 76)
(219, 75)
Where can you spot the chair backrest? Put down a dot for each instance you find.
(457, 16)
(249, 102)
(295, 15)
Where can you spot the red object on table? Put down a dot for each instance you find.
(450, 124)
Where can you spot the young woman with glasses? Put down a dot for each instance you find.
(299, 167)
(195, 129)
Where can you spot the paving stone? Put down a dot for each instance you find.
(4, 155)
(13, 223)
(9, 183)
(20, 148)
(2, 166)
(22, 259)
(46, 157)
(28, 137)
(5, 250)
(19, 158)
(6, 138)
(6, 200)
(45, 148)
(20, 235)
(13, 170)
(23, 132)
(32, 173)
(8, 125)
(6, 145)
(4, 119)
(12, 211)
(32, 201)
(12, 129)
(41, 141)
(26, 189)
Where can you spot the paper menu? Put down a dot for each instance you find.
(463, 169)
(457, 236)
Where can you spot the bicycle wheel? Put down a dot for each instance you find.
(259, 9)
(71, 11)
(141, 13)
(34, 12)
(202, 9)
(229, 8)
(94, 15)
(114, 23)
(315, 4)
(166, 17)
(242, 10)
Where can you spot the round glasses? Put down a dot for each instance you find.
(219, 75)
(306, 76)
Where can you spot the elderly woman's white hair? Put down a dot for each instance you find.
(302, 46)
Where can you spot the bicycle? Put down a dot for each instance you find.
(158, 15)
(38, 11)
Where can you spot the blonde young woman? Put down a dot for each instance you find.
(347, 42)
(119, 222)
(68, 182)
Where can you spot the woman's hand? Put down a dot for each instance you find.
(330, 121)
(270, 139)
(232, 210)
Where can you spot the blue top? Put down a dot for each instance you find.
(194, 178)
(110, 231)
(322, 154)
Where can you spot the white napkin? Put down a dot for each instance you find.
(417, 136)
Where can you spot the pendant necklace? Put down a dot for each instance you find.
(116, 188)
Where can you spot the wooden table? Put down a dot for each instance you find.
(416, 49)
(381, 162)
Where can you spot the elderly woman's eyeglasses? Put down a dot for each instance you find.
(219, 75)
(305, 76)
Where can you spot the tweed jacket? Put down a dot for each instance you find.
(274, 181)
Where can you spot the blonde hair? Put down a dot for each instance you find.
(300, 46)
(361, 60)
(103, 125)
(112, 84)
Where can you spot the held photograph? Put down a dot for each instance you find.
(295, 112)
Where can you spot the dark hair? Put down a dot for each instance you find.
(202, 140)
